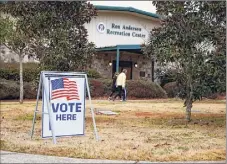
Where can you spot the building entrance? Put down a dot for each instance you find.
(123, 65)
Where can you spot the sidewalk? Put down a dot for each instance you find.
(13, 157)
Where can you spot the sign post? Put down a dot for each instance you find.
(63, 104)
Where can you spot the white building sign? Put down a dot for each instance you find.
(121, 30)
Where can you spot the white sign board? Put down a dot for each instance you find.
(66, 96)
(63, 104)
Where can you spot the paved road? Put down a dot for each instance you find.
(12, 157)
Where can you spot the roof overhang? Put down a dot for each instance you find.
(134, 48)
(127, 9)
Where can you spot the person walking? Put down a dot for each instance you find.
(114, 87)
(124, 94)
(121, 80)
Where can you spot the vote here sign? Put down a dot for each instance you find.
(66, 97)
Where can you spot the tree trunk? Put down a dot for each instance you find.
(152, 70)
(21, 78)
(188, 110)
(188, 103)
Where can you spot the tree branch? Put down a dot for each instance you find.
(10, 48)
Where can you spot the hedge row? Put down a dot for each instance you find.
(32, 73)
(135, 89)
(99, 88)
(13, 74)
(11, 90)
(172, 91)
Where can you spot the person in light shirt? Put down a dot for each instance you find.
(120, 83)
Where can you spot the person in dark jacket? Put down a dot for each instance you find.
(114, 87)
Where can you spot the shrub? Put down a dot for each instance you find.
(144, 89)
(30, 91)
(15, 65)
(98, 87)
(9, 74)
(171, 89)
(91, 73)
(220, 96)
(167, 77)
(10, 71)
(31, 72)
(11, 90)
(135, 88)
(107, 85)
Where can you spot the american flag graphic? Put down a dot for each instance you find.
(63, 87)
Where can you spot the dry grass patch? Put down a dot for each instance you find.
(143, 130)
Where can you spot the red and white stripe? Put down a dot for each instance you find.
(70, 91)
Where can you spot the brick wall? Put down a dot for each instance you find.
(101, 61)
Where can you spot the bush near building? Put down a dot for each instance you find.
(171, 89)
(99, 88)
(9, 89)
(145, 89)
(10, 71)
(135, 89)
(13, 74)
(93, 73)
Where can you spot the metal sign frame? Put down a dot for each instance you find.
(42, 85)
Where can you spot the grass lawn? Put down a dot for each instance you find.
(150, 130)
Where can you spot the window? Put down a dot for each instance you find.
(142, 74)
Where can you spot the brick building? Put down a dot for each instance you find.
(118, 33)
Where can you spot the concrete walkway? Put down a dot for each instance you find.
(13, 157)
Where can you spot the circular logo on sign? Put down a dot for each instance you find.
(101, 27)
